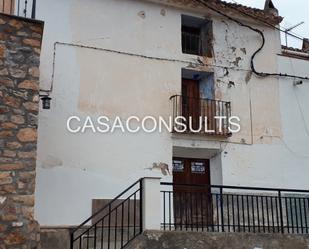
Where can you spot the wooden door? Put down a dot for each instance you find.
(7, 6)
(191, 101)
(192, 204)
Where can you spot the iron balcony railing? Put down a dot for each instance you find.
(23, 8)
(199, 115)
(114, 225)
(217, 208)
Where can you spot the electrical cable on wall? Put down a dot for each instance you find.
(299, 105)
(260, 74)
(290, 33)
(190, 63)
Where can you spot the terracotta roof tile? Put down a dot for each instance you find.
(270, 16)
(295, 49)
(265, 15)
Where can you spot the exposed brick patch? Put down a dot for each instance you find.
(20, 41)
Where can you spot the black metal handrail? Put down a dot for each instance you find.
(23, 8)
(218, 208)
(115, 224)
(202, 112)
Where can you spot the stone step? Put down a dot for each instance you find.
(117, 237)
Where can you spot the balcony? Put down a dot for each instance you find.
(22, 8)
(200, 116)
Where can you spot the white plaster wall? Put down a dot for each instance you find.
(294, 101)
(216, 170)
(282, 161)
(75, 168)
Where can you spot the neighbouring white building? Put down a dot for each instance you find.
(129, 57)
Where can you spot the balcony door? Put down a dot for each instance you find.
(191, 101)
(192, 204)
(208, 103)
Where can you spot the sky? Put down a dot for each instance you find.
(293, 11)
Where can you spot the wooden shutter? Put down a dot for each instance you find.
(206, 39)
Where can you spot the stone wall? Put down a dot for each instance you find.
(52, 238)
(20, 43)
(55, 238)
(194, 240)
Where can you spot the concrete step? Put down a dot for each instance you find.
(59, 238)
(116, 238)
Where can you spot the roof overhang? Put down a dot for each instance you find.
(235, 10)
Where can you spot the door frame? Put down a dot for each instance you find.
(182, 193)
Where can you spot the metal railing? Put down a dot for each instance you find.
(114, 225)
(202, 113)
(234, 209)
(23, 8)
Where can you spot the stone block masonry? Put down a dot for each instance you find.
(204, 240)
(20, 44)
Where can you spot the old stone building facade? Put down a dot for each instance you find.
(20, 42)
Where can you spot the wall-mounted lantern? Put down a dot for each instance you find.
(297, 82)
(45, 101)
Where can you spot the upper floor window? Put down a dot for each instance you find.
(196, 34)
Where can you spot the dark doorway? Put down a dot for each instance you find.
(192, 203)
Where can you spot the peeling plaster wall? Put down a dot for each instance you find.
(75, 168)
(234, 46)
(282, 160)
